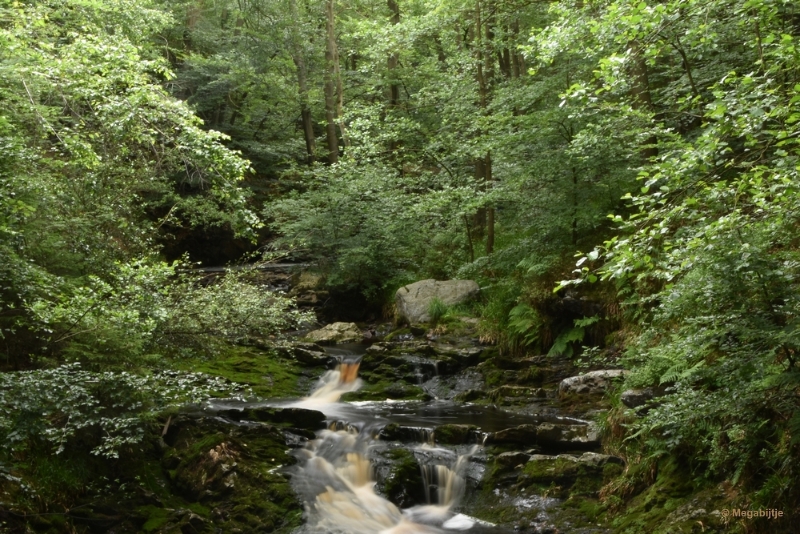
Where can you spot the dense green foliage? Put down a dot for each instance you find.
(707, 263)
(109, 409)
(99, 164)
(386, 142)
(97, 158)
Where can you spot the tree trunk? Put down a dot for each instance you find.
(483, 89)
(305, 109)
(574, 207)
(470, 248)
(485, 73)
(640, 92)
(331, 60)
(489, 211)
(391, 65)
(298, 57)
(504, 59)
(479, 220)
(515, 62)
(394, 88)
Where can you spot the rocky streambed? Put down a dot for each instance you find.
(436, 433)
(420, 431)
(372, 429)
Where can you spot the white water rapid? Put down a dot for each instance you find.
(336, 480)
(332, 385)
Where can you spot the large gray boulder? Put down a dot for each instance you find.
(414, 299)
(336, 333)
(593, 383)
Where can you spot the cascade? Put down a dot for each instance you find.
(333, 384)
(336, 480)
(444, 485)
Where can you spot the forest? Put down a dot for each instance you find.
(191, 189)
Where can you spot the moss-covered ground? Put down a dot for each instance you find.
(264, 372)
(201, 476)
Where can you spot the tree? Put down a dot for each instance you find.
(100, 161)
(706, 261)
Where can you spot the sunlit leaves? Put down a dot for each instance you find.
(67, 402)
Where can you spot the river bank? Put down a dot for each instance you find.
(444, 432)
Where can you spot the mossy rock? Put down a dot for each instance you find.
(516, 392)
(452, 434)
(470, 395)
(291, 417)
(155, 517)
(397, 333)
(387, 390)
(232, 471)
(674, 503)
(558, 484)
(568, 476)
(403, 486)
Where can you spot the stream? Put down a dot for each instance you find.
(337, 473)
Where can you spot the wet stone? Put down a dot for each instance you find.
(525, 434)
(452, 434)
(298, 417)
(599, 460)
(552, 436)
(568, 436)
(336, 333)
(395, 432)
(311, 355)
(517, 391)
(512, 459)
(633, 398)
(592, 383)
(378, 349)
(470, 395)
(399, 478)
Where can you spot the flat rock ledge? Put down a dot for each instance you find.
(592, 383)
(335, 333)
(549, 436)
(633, 398)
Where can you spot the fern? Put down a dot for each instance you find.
(587, 321)
(562, 345)
(523, 325)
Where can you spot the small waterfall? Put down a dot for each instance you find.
(343, 426)
(442, 485)
(414, 434)
(445, 485)
(426, 435)
(335, 476)
(333, 384)
(348, 372)
(336, 481)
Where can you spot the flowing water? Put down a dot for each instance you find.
(336, 478)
